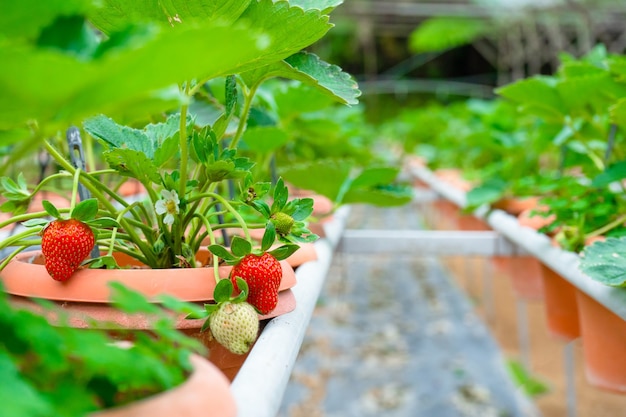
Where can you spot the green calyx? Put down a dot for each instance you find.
(241, 247)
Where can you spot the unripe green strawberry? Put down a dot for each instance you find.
(263, 275)
(235, 326)
(283, 223)
(65, 244)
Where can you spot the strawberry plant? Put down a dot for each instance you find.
(183, 100)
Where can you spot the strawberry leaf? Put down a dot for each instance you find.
(243, 290)
(283, 252)
(299, 208)
(85, 210)
(107, 262)
(269, 237)
(223, 290)
(262, 207)
(281, 194)
(103, 222)
(221, 252)
(50, 209)
(240, 246)
(35, 222)
(180, 306)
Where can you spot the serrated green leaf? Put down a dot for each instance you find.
(86, 210)
(134, 164)
(118, 136)
(330, 79)
(240, 246)
(223, 290)
(290, 28)
(51, 209)
(269, 237)
(284, 251)
(605, 261)
(312, 71)
(221, 252)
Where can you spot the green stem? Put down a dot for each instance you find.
(74, 190)
(243, 119)
(12, 240)
(607, 227)
(209, 230)
(228, 207)
(13, 254)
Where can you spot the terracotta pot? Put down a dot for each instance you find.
(205, 393)
(603, 336)
(535, 222)
(446, 215)
(525, 275)
(560, 305)
(131, 187)
(454, 177)
(514, 205)
(470, 222)
(85, 296)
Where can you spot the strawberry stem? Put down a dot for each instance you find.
(209, 230)
(74, 190)
(11, 256)
(228, 207)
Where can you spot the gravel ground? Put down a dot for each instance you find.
(394, 336)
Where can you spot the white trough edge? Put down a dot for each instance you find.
(563, 262)
(261, 382)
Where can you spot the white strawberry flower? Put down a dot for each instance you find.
(168, 205)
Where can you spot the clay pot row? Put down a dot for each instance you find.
(570, 313)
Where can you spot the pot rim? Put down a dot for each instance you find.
(24, 278)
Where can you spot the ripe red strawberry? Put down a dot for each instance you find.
(263, 275)
(65, 244)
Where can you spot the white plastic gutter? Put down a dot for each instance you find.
(538, 245)
(261, 382)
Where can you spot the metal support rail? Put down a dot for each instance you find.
(426, 242)
(536, 244)
(260, 384)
